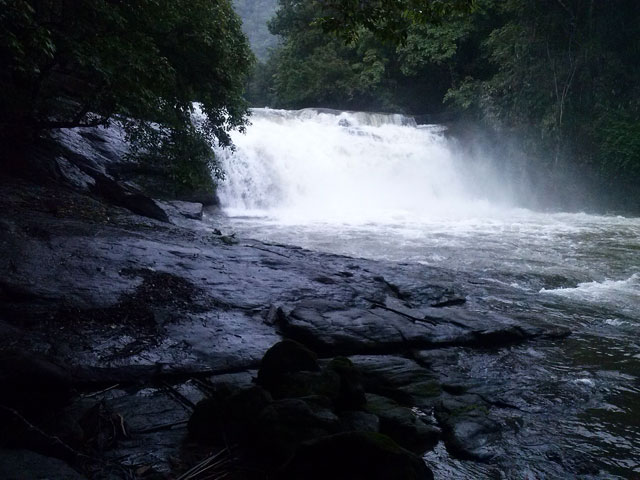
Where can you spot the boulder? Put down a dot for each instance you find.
(339, 381)
(354, 456)
(33, 383)
(304, 384)
(284, 358)
(208, 421)
(218, 419)
(399, 378)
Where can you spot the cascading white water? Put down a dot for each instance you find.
(321, 165)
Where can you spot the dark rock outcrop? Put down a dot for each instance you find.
(355, 456)
(224, 417)
(128, 198)
(351, 394)
(190, 210)
(33, 383)
(284, 358)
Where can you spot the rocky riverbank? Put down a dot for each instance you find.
(134, 339)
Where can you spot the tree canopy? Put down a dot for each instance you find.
(69, 63)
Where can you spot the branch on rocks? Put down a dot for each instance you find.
(178, 396)
(214, 467)
(267, 250)
(135, 374)
(53, 439)
(160, 428)
(403, 314)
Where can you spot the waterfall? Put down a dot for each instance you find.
(325, 165)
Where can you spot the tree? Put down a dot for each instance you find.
(386, 19)
(355, 65)
(70, 63)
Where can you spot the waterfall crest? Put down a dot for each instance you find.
(326, 165)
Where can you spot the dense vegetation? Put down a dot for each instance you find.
(141, 63)
(560, 76)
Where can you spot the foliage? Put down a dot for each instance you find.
(386, 19)
(143, 62)
(379, 58)
(312, 68)
(563, 77)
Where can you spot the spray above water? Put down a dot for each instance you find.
(329, 166)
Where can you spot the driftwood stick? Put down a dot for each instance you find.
(53, 439)
(403, 314)
(159, 428)
(95, 394)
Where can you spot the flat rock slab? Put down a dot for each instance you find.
(331, 329)
(225, 340)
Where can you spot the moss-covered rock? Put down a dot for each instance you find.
(351, 395)
(339, 381)
(284, 424)
(357, 421)
(208, 420)
(354, 456)
(228, 416)
(403, 424)
(304, 384)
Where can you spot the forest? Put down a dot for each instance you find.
(551, 84)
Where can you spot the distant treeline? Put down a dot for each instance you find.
(255, 15)
(560, 76)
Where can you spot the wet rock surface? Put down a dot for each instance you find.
(147, 336)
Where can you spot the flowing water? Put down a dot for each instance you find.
(381, 187)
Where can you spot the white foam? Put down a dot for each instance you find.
(596, 291)
(585, 381)
(621, 296)
(351, 167)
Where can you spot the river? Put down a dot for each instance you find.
(381, 187)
